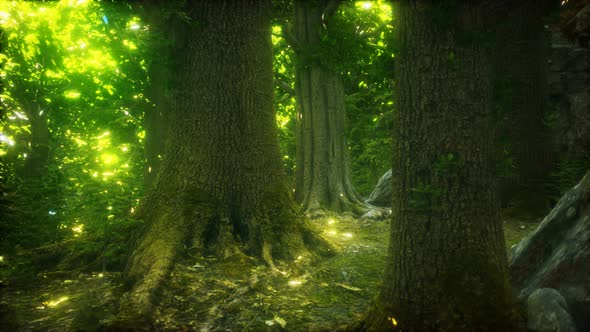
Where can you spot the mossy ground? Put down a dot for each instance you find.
(236, 294)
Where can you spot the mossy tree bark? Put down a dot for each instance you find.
(521, 58)
(167, 30)
(322, 180)
(221, 189)
(447, 267)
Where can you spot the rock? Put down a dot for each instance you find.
(377, 214)
(557, 254)
(547, 311)
(381, 195)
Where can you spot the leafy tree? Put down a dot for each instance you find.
(220, 189)
(322, 179)
(73, 71)
(447, 266)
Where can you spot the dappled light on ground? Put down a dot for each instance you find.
(235, 294)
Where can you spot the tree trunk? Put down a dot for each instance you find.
(521, 49)
(38, 157)
(322, 180)
(221, 189)
(168, 33)
(447, 265)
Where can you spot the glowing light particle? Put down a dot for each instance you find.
(21, 116)
(77, 229)
(347, 235)
(105, 134)
(6, 139)
(393, 321)
(367, 5)
(109, 158)
(55, 303)
(295, 283)
(71, 94)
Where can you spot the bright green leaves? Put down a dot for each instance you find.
(78, 66)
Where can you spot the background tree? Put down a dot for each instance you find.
(521, 60)
(322, 179)
(354, 46)
(447, 266)
(221, 189)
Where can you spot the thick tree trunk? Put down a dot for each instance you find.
(322, 180)
(221, 188)
(167, 39)
(447, 265)
(521, 49)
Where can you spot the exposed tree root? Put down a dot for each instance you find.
(275, 233)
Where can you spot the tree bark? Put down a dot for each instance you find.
(447, 267)
(521, 57)
(221, 189)
(322, 180)
(167, 32)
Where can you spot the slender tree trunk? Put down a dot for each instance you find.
(521, 57)
(322, 180)
(38, 156)
(221, 189)
(446, 268)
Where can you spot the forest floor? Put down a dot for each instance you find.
(236, 294)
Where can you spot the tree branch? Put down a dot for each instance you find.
(290, 37)
(285, 87)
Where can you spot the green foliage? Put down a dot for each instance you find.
(369, 100)
(80, 68)
(284, 77)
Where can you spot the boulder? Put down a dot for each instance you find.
(377, 214)
(557, 254)
(546, 311)
(381, 195)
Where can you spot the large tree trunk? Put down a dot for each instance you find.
(167, 32)
(221, 188)
(521, 58)
(447, 265)
(322, 180)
